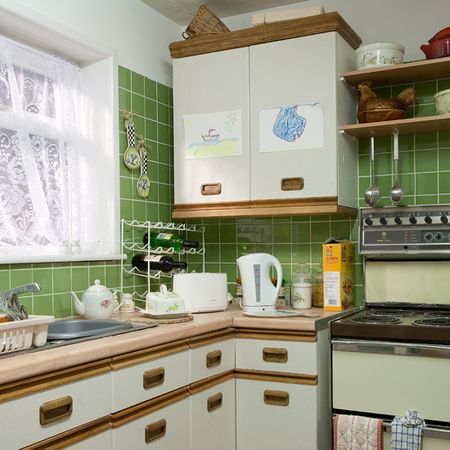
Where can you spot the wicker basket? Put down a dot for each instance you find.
(204, 22)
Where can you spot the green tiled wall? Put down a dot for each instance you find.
(424, 175)
(151, 103)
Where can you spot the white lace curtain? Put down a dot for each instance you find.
(40, 152)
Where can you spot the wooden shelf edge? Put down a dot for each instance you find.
(199, 211)
(408, 72)
(405, 126)
(287, 29)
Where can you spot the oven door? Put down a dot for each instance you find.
(388, 378)
(433, 438)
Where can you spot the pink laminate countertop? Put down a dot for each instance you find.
(25, 365)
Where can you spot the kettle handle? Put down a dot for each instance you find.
(279, 270)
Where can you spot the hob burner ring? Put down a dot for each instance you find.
(433, 322)
(438, 314)
(374, 319)
(391, 312)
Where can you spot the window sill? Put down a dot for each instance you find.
(61, 258)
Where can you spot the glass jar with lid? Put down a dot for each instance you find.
(301, 291)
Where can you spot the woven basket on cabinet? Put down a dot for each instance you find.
(204, 22)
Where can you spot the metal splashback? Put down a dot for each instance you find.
(405, 232)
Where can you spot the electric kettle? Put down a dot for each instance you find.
(258, 292)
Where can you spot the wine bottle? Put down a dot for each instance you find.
(163, 263)
(168, 240)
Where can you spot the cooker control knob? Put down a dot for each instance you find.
(398, 220)
(412, 220)
(444, 219)
(383, 220)
(368, 221)
(428, 220)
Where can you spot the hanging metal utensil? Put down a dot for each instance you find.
(372, 194)
(396, 191)
(131, 157)
(143, 183)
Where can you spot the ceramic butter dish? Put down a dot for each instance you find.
(164, 302)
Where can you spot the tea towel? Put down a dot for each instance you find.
(407, 431)
(357, 433)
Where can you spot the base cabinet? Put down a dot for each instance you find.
(102, 441)
(213, 418)
(274, 415)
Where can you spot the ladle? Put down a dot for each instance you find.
(372, 194)
(396, 191)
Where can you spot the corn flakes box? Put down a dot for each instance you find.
(338, 277)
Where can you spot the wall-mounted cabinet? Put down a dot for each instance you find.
(251, 77)
(430, 69)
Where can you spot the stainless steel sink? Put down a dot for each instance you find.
(80, 328)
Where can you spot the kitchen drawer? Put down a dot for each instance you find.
(133, 384)
(273, 415)
(213, 417)
(42, 414)
(276, 356)
(164, 429)
(102, 441)
(211, 359)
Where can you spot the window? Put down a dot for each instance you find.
(55, 203)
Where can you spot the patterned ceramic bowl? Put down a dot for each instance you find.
(379, 54)
(442, 102)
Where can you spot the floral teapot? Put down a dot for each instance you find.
(97, 302)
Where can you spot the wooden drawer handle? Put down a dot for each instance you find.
(213, 358)
(275, 355)
(55, 410)
(215, 401)
(155, 430)
(292, 184)
(154, 377)
(278, 398)
(211, 189)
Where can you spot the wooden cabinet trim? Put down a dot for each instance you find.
(131, 359)
(286, 29)
(142, 409)
(211, 338)
(46, 381)
(210, 382)
(262, 208)
(73, 435)
(294, 336)
(278, 377)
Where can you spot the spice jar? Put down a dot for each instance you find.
(317, 282)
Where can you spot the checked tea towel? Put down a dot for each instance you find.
(407, 431)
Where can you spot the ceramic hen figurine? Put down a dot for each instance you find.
(374, 109)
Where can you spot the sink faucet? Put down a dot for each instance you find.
(9, 301)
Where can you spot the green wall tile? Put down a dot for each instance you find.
(137, 83)
(426, 183)
(124, 78)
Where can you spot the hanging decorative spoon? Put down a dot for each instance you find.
(131, 157)
(143, 183)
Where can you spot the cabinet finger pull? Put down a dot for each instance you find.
(215, 401)
(211, 189)
(213, 358)
(155, 430)
(154, 377)
(55, 410)
(278, 398)
(275, 355)
(292, 184)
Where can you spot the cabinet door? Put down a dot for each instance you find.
(213, 418)
(164, 429)
(271, 415)
(206, 84)
(284, 74)
(102, 441)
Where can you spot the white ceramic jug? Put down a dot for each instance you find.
(258, 291)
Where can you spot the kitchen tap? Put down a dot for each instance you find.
(9, 300)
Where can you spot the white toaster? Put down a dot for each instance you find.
(202, 292)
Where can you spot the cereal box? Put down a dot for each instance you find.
(338, 281)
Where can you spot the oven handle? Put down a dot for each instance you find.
(391, 348)
(427, 431)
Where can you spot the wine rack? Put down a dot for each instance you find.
(130, 245)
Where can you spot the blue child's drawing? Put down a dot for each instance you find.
(288, 125)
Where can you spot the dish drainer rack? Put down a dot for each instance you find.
(129, 244)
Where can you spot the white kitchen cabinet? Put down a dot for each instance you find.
(274, 415)
(213, 417)
(166, 428)
(276, 72)
(101, 441)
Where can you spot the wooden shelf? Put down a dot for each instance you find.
(405, 126)
(424, 70)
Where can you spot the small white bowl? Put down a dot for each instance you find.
(442, 102)
(379, 54)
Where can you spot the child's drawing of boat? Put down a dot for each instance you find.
(212, 135)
